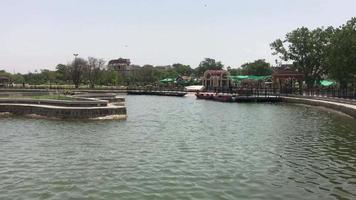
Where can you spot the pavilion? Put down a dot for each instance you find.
(4, 81)
(287, 80)
(217, 80)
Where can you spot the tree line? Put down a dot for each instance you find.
(93, 71)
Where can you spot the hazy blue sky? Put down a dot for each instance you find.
(38, 34)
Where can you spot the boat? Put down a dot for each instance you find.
(204, 95)
(223, 97)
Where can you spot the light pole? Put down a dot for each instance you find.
(74, 64)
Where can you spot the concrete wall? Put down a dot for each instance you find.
(63, 112)
(78, 108)
(65, 103)
(345, 108)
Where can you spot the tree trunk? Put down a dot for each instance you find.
(310, 82)
(343, 88)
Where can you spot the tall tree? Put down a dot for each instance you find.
(63, 73)
(47, 76)
(234, 71)
(110, 77)
(342, 53)
(258, 68)
(307, 49)
(183, 70)
(208, 64)
(94, 69)
(77, 69)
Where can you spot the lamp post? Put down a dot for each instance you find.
(73, 64)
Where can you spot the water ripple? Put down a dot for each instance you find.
(180, 148)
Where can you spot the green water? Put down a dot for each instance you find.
(182, 148)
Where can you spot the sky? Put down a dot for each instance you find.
(39, 34)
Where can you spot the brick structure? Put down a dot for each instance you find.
(121, 65)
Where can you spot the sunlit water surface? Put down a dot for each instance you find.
(182, 148)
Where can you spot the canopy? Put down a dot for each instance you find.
(167, 80)
(256, 78)
(193, 88)
(327, 83)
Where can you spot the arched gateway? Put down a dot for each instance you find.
(217, 80)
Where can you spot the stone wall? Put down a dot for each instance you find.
(65, 103)
(345, 108)
(78, 108)
(63, 112)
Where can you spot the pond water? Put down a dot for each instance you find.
(182, 148)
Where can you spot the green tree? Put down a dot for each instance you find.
(234, 71)
(307, 49)
(77, 70)
(208, 64)
(63, 73)
(182, 70)
(47, 76)
(342, 54)
(110, 77)
(258, 68)
(17, 78)
(93, 70)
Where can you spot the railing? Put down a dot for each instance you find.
(249, 92)
(349, 93)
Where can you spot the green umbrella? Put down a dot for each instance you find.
(167, 80)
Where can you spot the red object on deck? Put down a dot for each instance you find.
(223, 97)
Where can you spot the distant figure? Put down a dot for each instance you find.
(23, 84)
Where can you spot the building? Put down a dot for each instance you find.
(121, 65)
(217, 80)
(287, 80)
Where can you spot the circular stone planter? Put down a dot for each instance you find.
(85, 108)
